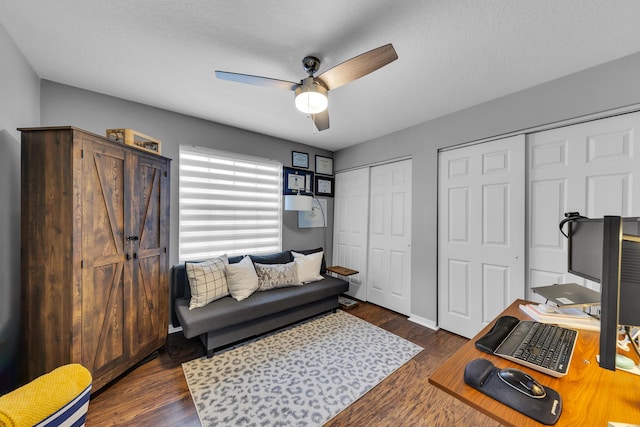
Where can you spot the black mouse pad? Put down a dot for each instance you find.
(482, 375)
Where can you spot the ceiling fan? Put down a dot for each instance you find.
(311, 92)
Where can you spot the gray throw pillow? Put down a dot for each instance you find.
(273, 276)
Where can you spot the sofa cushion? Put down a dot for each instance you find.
(242, 279)
(207, 281)
(273, 276)
(308, 266)
(283, 257)
(227, 312)
(236, 259)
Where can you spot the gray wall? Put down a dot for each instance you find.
(605, 87)
(66, 105)
(19, 106)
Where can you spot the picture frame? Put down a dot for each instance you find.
(316, 217)
(297, 181)
(300, 159)
(324, 186)
(324, 165)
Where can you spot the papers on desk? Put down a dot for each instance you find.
(568, 317)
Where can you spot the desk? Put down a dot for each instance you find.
(590, 395)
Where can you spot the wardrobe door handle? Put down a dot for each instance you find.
(127, 256)
(135, 255)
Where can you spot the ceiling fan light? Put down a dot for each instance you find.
(311, 97)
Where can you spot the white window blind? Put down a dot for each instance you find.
(228, 204)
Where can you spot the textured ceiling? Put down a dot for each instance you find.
(453, 54)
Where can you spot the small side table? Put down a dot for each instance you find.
(344, 271)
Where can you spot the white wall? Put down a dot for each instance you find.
(19, 106)
(605, 87)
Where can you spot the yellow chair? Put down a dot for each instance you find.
(58, 398)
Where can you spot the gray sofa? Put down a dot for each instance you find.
(226, 321)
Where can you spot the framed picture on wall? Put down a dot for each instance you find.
(297, 181)
(299, 159)
(314, 218)
(324, 165)
(324, 186)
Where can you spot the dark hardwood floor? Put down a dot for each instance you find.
(156, 393)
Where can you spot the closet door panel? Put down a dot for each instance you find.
(390, 236)
(591, 168)
(547, 201)
(458, 288)
(480, 233)
(495, 290)
(350, 227)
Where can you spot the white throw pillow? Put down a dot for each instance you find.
(242, 279)
(308, 266)
(207, 281)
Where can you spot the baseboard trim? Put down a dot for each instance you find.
(173, 330)
(424, 322)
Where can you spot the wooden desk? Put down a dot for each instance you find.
(590, 395)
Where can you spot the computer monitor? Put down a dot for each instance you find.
(585, 248)
(607, 250)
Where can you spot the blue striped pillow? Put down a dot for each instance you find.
(73, 414)
(58, 398)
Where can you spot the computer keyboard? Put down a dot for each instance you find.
(540, 346)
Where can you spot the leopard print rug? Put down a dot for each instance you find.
(303, 375)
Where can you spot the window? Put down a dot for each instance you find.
(229, 204)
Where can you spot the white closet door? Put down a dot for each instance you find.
(350, 227)
(389, 277)
(591, 168)
(481, 228)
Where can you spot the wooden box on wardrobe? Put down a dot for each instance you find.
(94, 253)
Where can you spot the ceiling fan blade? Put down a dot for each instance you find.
(358, 66)
(321, 120)
(257, 80)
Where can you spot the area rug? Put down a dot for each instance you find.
(300, 376)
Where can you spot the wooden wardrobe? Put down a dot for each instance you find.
(94, 252)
